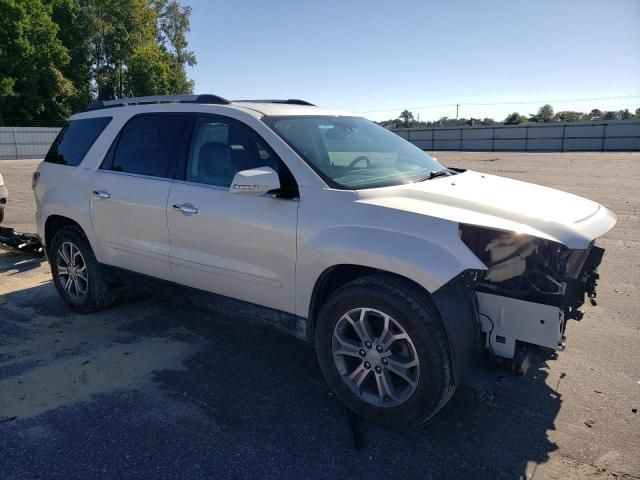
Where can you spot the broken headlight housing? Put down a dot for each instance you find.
(522, 266)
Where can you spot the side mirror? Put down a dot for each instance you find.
(257, 181)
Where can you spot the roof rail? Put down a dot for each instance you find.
(290, 101)
(206, 98)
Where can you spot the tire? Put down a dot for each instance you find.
(92, 294)
(410, 311)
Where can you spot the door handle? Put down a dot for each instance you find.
(186, 208)
(101, 194)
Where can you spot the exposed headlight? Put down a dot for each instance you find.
(517, 263)
(494, 246)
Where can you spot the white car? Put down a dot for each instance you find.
(399, 270)
(4, 198)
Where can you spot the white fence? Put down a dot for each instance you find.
(26, 142)
(609, 136)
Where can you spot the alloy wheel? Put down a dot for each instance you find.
(72, 271)
(375, 357)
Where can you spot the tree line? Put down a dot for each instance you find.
(545, 114)
(57, 56)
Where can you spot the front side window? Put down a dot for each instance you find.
(150, 145)
(221, 147)
(354, 153)
(74, 141)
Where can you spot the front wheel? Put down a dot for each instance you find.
(383, 351)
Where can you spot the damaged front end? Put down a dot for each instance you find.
(531, 287)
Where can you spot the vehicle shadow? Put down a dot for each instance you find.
(266, 386)
(249, 402)
(18, 262)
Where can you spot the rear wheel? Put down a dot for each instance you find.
(383, 351)
(77, 275)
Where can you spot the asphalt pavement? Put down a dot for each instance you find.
(156, 389)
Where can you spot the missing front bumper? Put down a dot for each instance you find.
(506, 321)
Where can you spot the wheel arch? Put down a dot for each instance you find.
(328, 282)
(336, 276)
(55, 223)
(454, 303)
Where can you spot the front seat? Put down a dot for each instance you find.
(214, 164)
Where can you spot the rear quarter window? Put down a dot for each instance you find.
(74, 141)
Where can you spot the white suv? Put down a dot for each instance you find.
(399, 270)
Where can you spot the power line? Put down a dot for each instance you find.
(528, 102)
(593, 99)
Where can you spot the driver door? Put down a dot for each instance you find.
(240, 246)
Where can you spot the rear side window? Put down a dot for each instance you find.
(74, 141)
(150, 145)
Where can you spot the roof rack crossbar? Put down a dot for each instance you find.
(289, 101)
(205, 98)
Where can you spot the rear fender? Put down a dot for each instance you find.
(65, 191)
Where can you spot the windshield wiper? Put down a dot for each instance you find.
(437, 173)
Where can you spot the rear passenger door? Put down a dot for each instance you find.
(130, 191)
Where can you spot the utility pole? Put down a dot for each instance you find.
(457, 105)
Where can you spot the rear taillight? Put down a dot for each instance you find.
(34, 179)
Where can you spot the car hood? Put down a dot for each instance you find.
(501, 203)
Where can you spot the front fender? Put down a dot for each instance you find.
(429, 262)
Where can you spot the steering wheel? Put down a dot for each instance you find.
(358, 160)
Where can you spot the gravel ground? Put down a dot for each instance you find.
(149, 389)
(20, 210)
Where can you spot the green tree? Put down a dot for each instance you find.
(569, 116)
(625, 114)
(407, 118)
(57, 55)
(594, 114)
(118, 28)
(515, 118)
(173, 25)
(73, 32)
(546, 112)
(638, 112)
(123, 32)
(149, 72)
(32, 57)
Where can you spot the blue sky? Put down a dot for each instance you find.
(380, 57)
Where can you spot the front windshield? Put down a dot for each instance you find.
(354, 153)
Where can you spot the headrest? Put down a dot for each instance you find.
(212, 153)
